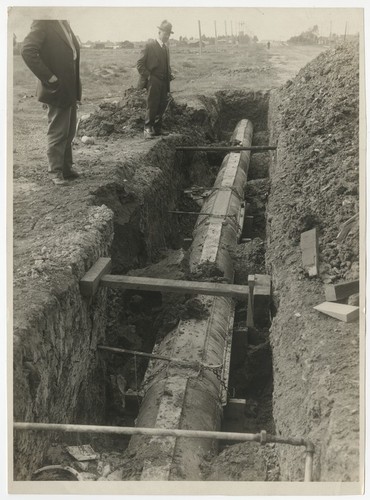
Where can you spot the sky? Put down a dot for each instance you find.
(140, 23)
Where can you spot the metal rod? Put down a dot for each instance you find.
(261, 437)
(226, 148)
(308, 466)
(281, 440)
(131, 431)
(153, 431)
(250, 312)
(118, 350)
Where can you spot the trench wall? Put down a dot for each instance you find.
(57, 376)
(315, 358)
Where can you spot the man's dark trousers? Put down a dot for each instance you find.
(61, 131)
(156, 102)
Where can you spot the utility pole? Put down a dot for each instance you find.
(215, 34)
(225, 29)
(345, 31)
(200, 39)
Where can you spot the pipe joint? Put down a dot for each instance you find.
(310, 447)
(263, 438)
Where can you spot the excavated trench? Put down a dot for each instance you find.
(143, 321)
(159, 234)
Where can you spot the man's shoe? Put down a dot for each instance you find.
(59, 181)
(161, 132)
(149, 133)
(72, 174)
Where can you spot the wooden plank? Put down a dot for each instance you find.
(250, 312)
(310, 252)
(262, 299)
(262, 285)
(177, 286)
(90, 282)
(341, 290)
(343, 312)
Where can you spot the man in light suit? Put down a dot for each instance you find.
(155, 75)
(52, 53)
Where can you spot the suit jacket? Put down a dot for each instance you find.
(151, 63)
(46, 51)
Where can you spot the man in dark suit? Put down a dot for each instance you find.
(52, 53)
(155, 75)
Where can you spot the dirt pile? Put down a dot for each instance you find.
(121, 117)
(319, 111)
(315, 183)
(126, 116)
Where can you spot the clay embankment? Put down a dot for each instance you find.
(314, 183)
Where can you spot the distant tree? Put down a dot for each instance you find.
(309, 37)
(255, 38)
(244, 39)
(126, 45)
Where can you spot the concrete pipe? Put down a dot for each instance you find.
(184, 397)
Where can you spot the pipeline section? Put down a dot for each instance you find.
(189, 397)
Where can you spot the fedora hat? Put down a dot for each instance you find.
(165, 26)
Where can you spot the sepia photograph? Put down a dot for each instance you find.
(186, 250)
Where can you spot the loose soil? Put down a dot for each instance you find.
(314, 183)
